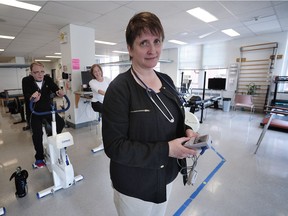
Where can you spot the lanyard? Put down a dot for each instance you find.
(149, 92)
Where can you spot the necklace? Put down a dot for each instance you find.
(149, 91)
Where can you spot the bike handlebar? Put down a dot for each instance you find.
(53, 108)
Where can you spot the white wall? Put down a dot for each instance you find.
(170, 69)
(79, 46)
(11, 78)
(280, 38)
(224, 54)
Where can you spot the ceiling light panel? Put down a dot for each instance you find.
(21, 5)
(104, 42)
(123, 52)
(57, 57)
(7, 37)
(104, 56)
(230, 32)
(177, 42)
(42, 60)
(206, 35)
(202, 14)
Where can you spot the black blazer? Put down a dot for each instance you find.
(29, 86)
(135, 141)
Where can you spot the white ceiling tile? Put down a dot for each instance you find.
(282, 10)
(64, 11)
(284, 24)
(244, 7)
(265, 27)
(98, 7)
(37, 32)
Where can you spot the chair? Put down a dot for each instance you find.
(192, 121)
(244, 101)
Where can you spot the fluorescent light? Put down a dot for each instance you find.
(207, 34)
(177, 42)
(104, 42)
(202, 14)
(57, 53)
(1, 50)
(42, 60)
(230, 32)
(6, 36)
(58, 57)
(165, 61)
(101, 55)
(19, 4)
(123, 52)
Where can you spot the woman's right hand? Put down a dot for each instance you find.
(177, 150)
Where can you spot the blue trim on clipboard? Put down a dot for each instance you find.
(201, 186)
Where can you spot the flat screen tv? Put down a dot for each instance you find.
(86, 77)
(217, 83)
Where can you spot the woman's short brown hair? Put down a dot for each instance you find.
(141, 22)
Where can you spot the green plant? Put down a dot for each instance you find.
(252, 87)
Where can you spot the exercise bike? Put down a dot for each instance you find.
(56, 157)
(2, 211)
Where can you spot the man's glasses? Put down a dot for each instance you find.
(38, 72)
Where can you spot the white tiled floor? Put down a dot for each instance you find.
(232, 180)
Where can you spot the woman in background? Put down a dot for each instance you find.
(98, 85)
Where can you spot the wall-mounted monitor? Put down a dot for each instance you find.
(217, 83)
(86, 77)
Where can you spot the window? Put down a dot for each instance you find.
(109, 71)
(191, 60)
